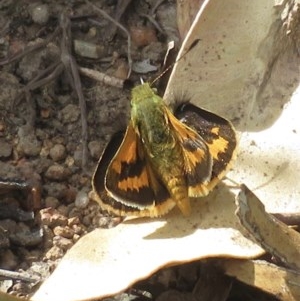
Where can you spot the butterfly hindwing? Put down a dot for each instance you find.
(197, 158)
(218, 134)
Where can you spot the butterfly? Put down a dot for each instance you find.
(162, 159)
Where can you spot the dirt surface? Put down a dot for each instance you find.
(41, 141)
(41, 119)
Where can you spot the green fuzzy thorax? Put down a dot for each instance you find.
(148, 117)
(151, 123)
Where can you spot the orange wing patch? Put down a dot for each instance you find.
(127, 152)
(197, 158)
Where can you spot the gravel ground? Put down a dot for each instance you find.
(44, 188)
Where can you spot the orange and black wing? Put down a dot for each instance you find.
(197, 160)
(218, 134)
(124, 182)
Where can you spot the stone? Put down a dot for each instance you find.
(57, 172)
(57, 152)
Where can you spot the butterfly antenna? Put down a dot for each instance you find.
(179, 59)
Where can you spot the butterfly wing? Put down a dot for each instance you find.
(218, 134)
(125, 183)
(197, 158)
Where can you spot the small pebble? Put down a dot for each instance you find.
(54, 253)
(74, 212)
(69, 161)
(78, 229)
(40, 14)
(45, 113)
(73, 221)
(48, 237)
(87, 220)
(92, 32)
(28, 144)
(77, 156)
(66, 232)
(82, 199)
(51, 201)
(89, 50)
(63, 210)
(95, 148)
(76, 237)
(58, 152)
(100, 221)
(52, 218)
(55, 189)
(70, 113)
(5, 149)
(57, 172)
(62, 242)
(142, 36)
(8, 260)
(70, 194)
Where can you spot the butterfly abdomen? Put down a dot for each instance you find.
(179, 193)
(167, 161)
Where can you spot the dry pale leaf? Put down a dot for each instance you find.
(108, 261)
(231, 73)
(245, 66)
(281, 282)
(273, 235)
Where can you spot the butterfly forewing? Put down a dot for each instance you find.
(129, 179)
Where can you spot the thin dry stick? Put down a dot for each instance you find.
(102, 77)
(107, 16)
(72, 69)
(18, 276)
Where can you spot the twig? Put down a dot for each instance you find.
(18, 276)
(71, 66)
(102, 77)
